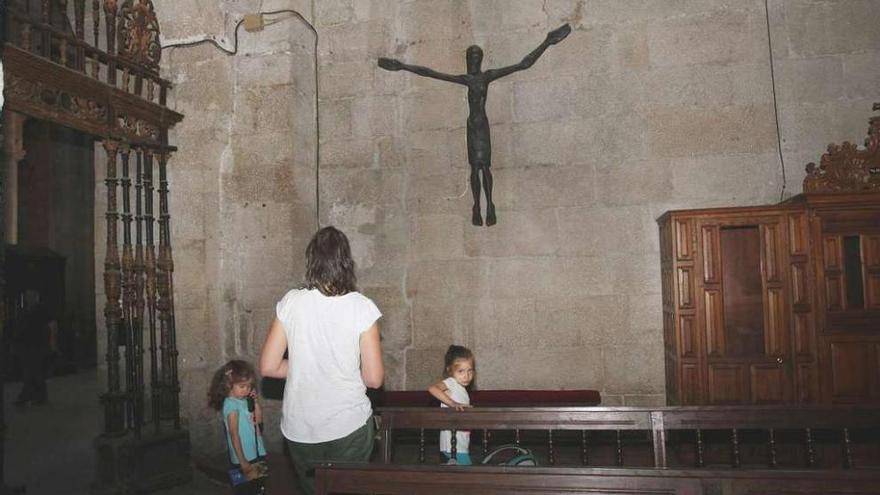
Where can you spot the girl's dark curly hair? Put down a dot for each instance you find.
(329, 265)
(455, 352)
(235, 371)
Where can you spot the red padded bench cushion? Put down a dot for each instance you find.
(490, 398)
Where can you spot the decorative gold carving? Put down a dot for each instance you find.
(139, 33)
(846, 168)
(137, 127)
(54, 100)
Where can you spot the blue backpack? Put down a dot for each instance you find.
(510, 455)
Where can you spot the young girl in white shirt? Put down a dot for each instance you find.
(452, 392)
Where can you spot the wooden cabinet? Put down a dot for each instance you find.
(728, 310)
(778, 303)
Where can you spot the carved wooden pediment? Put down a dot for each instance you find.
(139, 33)
(846, 167)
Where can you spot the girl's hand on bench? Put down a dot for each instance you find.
(459, 407)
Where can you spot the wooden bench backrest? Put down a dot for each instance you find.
(658, 421)
(460, 480)
(446, 480)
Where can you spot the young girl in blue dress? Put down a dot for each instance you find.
(232, 387)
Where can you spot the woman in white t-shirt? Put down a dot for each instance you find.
(452, 392)
(331, 335)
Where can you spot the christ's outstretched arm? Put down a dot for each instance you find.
(553, 37)
(393, 64)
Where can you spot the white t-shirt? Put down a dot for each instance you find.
(325, 397)
(463, 438)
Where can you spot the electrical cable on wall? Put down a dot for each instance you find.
(775, 105)
(213, 40)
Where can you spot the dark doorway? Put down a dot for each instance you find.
(53, 249)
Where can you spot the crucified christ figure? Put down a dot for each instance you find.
(477, 81)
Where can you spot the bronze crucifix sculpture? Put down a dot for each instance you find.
(477, 81)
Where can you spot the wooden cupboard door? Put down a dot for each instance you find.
(872, 271)
(848, 320)
(745, 310)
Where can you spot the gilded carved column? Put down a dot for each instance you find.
(13, 153)
(165, 302)
(150, 288)
(113, 399)
(138, 302)
(127, 295)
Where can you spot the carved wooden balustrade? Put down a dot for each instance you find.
(672, 436)
(58, 72)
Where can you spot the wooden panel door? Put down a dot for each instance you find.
(848, 303)
(745, 310)
(851, 329)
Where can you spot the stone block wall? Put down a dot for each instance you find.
(645, 107)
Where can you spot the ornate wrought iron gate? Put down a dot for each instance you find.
(107, 85)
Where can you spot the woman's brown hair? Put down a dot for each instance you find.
(329, 265)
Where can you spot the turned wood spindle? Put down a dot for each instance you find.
(421, 446)
(585, 447)
(63, 52)
(847, 451)
(772, 444)
(26, 37)
(619, 450)
(96, 28)
(453, 445)
(811, 453)
(551, 457)
(79, 14)
(734, 444)
(485, 443)
(700, 460)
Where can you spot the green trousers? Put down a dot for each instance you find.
(355, 447)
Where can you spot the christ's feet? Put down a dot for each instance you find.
(477, 218)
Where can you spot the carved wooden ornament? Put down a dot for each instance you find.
(846, 168)
(139, 33)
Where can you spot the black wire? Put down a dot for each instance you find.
(775, 105)
(212, 41)
(317, 113)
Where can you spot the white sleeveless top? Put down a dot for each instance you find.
(325, 396)
(462, 438)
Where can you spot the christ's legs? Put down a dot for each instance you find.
(477, 218)
(487, 188)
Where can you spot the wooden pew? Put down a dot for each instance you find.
(461, 480)
(656, 422)
(514, 418)
(480, 480)
(768, 419)
(489, 398)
